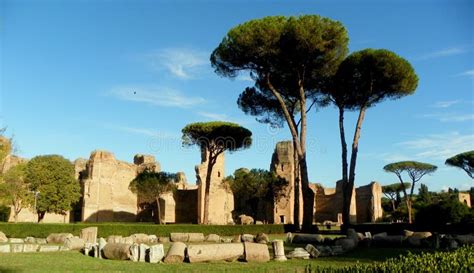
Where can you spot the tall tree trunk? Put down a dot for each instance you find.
(210, 164)
(407, 197)
(296, 187)
(393, 204)
(158, 210)
(355, 148)
(345, 196)
(308, 196)
(408, 202)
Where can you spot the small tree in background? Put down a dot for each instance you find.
(415, 171)
(14, 190)
(392, 192)
(151, 185)
(257, 188)
(53, 177)
(364, 79)
(464, 161)
(215, 138)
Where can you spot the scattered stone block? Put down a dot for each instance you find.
(389, 240)
(298, 253)
(237, 239)
(258, 222)
(116, 251)
(48, 248)
(5, 248)
(421, 234)
(278, 250)
(152, 239)
(262, 238)
(307, 239)
(30, 240)
(314, 252)
(143, 249)
(289, 237)
(213, 238)
(89, 235)
(378, 235)
(17, 248)
(16, 241)
(215, 252)
(247, 238)
(175, 253)
(179, 237)
(245, 220)
(113, 239)
(3, 238)
(30, 248)
(368, 235)
(256, 252)
(102, 244)
(64, 248)
(41, 241)
(140, 238)
(156, 253)
(337, 250)
(135, 252)
(58, 238)
(465, 239)
(163, 239)
(128, 240)
(346, 243)
(227, 240)
(74, 243)
(195, 237)
(408, 233)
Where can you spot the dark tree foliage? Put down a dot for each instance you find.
(255, 191)
(363, 79)
(53, 177)
(151, 185)
(392, 192)
(464, 161)
(289, 58)
(415, 171)
(215, 138)
(447, 210)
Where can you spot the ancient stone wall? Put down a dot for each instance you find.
(465, 197)
(369, 203)
(106, 193)
(283, 164)
(221, 198)
(329, 204)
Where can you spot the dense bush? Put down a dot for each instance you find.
(447, 211)
(4, 213)
(460, 260)
(22, 230)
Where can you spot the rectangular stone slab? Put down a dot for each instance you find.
(255, 252)
(215, 252)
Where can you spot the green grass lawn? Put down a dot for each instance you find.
(72, 261)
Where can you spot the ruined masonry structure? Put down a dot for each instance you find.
(105, 182)
(221, 199)
(365, 203)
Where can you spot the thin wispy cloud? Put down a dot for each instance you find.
(143, 131)
(156, 95)
(214, 116)
(468, 73)
(438, 146)
(445, 104)
(450, 117)
(183, 63)
(452, 51)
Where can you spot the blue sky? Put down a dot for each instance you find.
(69, 70)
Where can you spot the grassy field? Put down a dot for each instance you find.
(73, 261)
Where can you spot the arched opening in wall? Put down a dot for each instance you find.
(218, 174)
(282, 168)
(282, 219)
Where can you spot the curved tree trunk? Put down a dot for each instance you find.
(350, 185)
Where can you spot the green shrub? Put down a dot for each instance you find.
(21, 230)
(4, 213)
(460, 260)
(449, 210)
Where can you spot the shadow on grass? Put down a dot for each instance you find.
(9, 270)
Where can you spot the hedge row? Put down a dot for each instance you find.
(460, 260)
(22, 230)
